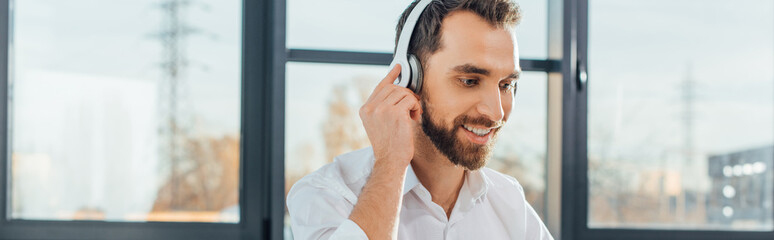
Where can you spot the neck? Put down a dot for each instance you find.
(437, 174)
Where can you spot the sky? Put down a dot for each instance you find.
(640, 52)
(329, 25)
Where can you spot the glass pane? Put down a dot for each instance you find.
(125, 110)
(322, 104)
(681, 115)
(369, 25)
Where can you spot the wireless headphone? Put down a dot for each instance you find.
(411, 69)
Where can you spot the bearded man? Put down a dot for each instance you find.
(423, 176)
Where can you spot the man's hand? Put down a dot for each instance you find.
(388, 116)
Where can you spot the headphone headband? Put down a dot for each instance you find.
(408, 28)
(409, 64)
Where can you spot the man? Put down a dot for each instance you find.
(423, 177)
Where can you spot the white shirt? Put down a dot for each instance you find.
(490, 205)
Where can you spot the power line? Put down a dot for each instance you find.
(174, 127)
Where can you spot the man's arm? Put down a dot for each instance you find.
(389, 116)
(378, 205)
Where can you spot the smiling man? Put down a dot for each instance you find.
(424, 175)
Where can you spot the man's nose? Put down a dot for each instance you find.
(491, 105)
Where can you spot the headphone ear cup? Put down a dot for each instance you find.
(416, 74)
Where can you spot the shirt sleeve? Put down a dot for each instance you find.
(349, 230)
(320, 213)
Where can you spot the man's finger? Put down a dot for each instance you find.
(411, 104)
(395, 97)
(385, 94)
(390, 78)
(416, 111)
(393, 74)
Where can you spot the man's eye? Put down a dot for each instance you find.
(508, 85)
(469, 82)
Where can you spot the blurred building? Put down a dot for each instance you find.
(741, 188)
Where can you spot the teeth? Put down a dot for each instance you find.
(477, 131)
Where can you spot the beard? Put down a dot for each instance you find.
(461, 153)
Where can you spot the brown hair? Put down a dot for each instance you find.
(426, 38)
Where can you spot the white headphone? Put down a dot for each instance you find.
(411, 69)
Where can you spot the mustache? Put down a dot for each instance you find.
(483, 121)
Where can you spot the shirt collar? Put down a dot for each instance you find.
(410, 181)
(476, 181)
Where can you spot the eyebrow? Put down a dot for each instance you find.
(470, 68)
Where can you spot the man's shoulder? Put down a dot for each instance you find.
(509, 200)
(345, 176)
(503, 183)
(350, 167)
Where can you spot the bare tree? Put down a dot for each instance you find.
(209, 182)
(342, 129)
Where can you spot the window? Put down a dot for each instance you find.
(322, 102)
(677, 137)
(343, 25)
(681, 124)
(120, 119)
(126, 120)
(369, 26)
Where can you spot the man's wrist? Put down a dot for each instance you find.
(388, 166)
